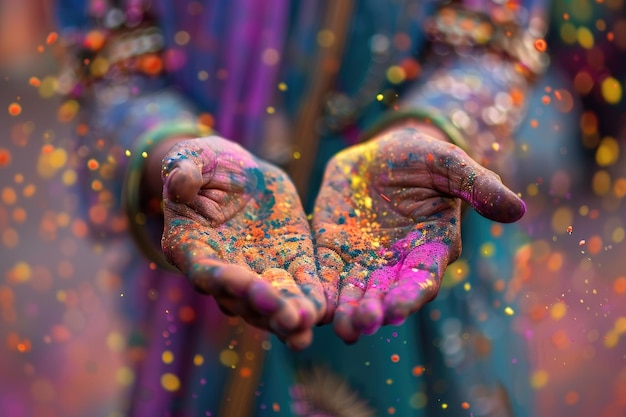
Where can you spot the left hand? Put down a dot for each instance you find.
(386, 224)
(234, 225)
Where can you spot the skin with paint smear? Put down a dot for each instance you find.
(236, 227)
(385, 225)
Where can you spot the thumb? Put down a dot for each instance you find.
(182, 183)
(457, 174)
(182, 170)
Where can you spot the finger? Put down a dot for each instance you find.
(297, 311)
(342, 324)
(231, 279)
(330, 267)
(182, 181)
(264, 295)
(350, 294)
(183, 166)
(301, 340)
(204, 275)
(263, 298)
(369, 315)
(226, 283)
(417, 282)
(237, 290)
(304, 272)
(230, 306)
(457, 174)
(240, 292)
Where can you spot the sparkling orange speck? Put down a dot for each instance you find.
(206, 119)
(47, 148)
(541, 45)
(619, 285)
(534, 123)
(98, 214)
(418, 370)
(595, 245)
(151, 64)
(496, 230)
(245, 372)
(15, 109)
(94, 40)
(40, 48)
(465, 405)
(52, 37)
(545, 100)
(610, 36)
(187, 314)
(24, 346)
(395, 358)
(558, 95)
(34, 81)
(92, 164)
(82, 129)
(79, 228)
(411, 68)
(5, 157)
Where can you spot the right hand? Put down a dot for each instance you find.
(387, 223)
(234, 225)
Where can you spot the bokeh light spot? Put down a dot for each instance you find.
(611, 90)
(170, 382)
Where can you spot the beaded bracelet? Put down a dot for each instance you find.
(462, 29)
(430, 116)
(131, 203)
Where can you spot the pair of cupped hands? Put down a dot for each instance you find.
(385, 225)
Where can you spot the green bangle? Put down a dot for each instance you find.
(429, 116)
(131, 203)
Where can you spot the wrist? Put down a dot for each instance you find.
(423, 127)
(428, 122)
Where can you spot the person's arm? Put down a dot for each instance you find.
(474, 84)
(384, 248)
(117, 74)
(231, 223)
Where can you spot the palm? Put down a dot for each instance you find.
(243, 237)
(387, 223)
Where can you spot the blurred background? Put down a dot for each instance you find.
(60, 336)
